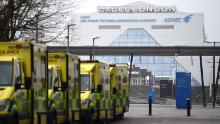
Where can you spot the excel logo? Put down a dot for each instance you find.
(185, 19)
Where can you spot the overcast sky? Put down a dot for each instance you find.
(210, 8)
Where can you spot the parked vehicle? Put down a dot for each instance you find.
(64, 87)
(119, 89)
(95, 91)
(23, 82)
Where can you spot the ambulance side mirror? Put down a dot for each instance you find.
(27, 83)
(114, 90)
(18, 83)
(64, 86)
(99, 88)
(92, 90)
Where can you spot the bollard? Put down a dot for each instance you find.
(150, 105)
(188, 106)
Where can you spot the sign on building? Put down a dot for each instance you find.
(183, 89)
(166, 89)
(135, 9)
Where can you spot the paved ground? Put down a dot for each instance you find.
(164, 114)
(166, 120)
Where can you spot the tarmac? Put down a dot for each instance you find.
(169, 114)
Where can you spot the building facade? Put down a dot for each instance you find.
(140, 77)
(142, 24)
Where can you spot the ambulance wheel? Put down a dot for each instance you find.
(91, 116)
(15, 117)
(121, 116)
(88, 117)
(53, 117)
(114, 114)
(102, 121)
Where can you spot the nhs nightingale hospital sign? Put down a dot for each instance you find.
(135, 9)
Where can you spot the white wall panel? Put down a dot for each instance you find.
(185, 34)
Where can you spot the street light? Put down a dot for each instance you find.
(93, 45)
(68, 39)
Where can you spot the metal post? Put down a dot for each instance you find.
(216, 84)
(188, 106)
(93, 47)
(131, 62)
(213, 85)
(68, 37)
(90, 57)
(67, 89)
(150, 105)
(37, 28)
(47, 108)
(202, 79)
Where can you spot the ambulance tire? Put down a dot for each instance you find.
(15, 117)
(114, 114)
(122, 116)
(91, 117)
(53, 117)
(102, 121)
(88, 117)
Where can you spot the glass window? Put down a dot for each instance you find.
(85, 82)
(49, 78)
(76, 75)
(159, 65)
(107, 79)
(119, 78)
(5, 73)
(18, 72)
(125, 80)
(56, 79)
(43, 69)
(76, 70)
(69, 75)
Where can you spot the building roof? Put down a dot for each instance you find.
(141, 3)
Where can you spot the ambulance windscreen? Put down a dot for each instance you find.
(6, 73)
(85, 82)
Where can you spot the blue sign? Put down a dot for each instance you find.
(152, 93)
(186, 19)
(183, 89)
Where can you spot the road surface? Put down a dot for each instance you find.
(165, 114)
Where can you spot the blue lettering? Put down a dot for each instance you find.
(84, 17)
(172, 20)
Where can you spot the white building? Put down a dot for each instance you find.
(142, 24)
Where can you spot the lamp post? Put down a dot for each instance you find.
(68, 39)
(93, 46)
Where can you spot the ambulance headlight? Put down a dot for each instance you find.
(4, 104)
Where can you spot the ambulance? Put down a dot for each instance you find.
(23, 83)
(119, 89)
(64, 87)
(95, 92)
